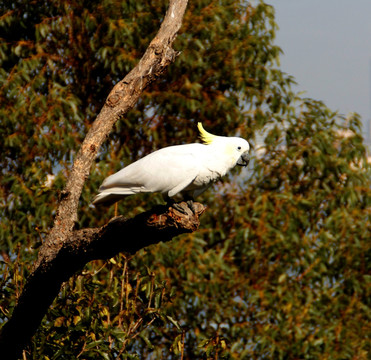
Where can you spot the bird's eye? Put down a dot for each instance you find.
(239, 148)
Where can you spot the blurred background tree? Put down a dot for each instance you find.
(280, 268)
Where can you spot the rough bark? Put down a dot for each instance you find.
(64, 247)
(161, 223)
(121, 99)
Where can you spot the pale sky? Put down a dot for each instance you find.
(327, 48)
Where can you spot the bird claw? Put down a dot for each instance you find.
(180, 207)
(191, 206)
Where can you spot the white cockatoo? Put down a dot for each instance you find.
(186, 170)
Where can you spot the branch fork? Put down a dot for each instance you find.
(66, 250)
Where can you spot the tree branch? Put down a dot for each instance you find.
(158, 56)
(65, 250)
(161, 223)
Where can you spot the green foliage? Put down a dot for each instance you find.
(280, 268)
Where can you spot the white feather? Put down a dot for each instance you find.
(182, 169)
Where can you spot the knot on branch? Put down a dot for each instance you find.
(154, 63)
(63, 195)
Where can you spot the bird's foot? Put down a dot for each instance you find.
(179, 207)
(191, 206)
(182, 209)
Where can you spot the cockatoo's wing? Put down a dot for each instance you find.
(186, 169)
(168, 170)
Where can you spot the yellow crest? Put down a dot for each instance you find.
(206, 137)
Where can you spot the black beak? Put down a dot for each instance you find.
(244, 159)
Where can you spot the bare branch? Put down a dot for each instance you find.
(158, 56)
(162, 223)
(65, 250)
